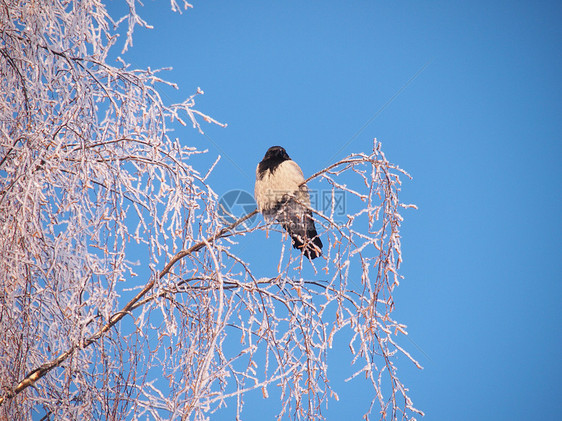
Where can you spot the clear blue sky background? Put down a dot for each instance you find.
(467, 97)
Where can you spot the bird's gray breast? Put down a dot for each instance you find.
(275, 186)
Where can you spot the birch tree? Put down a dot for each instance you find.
(91, 178)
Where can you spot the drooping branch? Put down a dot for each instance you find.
(89, 167)
(41, 371)
(36, 374)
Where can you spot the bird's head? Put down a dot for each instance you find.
(276, 153)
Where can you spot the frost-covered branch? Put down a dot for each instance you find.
(39, 372)
(93, 190)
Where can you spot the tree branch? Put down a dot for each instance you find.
(41, 371)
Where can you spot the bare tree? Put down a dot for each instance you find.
(91, 180)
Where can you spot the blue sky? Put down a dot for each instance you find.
(467, 97)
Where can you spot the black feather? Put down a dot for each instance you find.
(273, 157)
(298, 222)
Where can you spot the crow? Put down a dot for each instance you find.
(281, 195)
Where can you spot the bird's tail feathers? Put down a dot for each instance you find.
(304, 237)
(312, 247)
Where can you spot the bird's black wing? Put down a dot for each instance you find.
(297, 220)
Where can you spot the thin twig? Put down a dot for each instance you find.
(41, 371)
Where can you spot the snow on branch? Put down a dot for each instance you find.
(123, 293)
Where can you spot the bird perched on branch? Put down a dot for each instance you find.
(281, 195)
